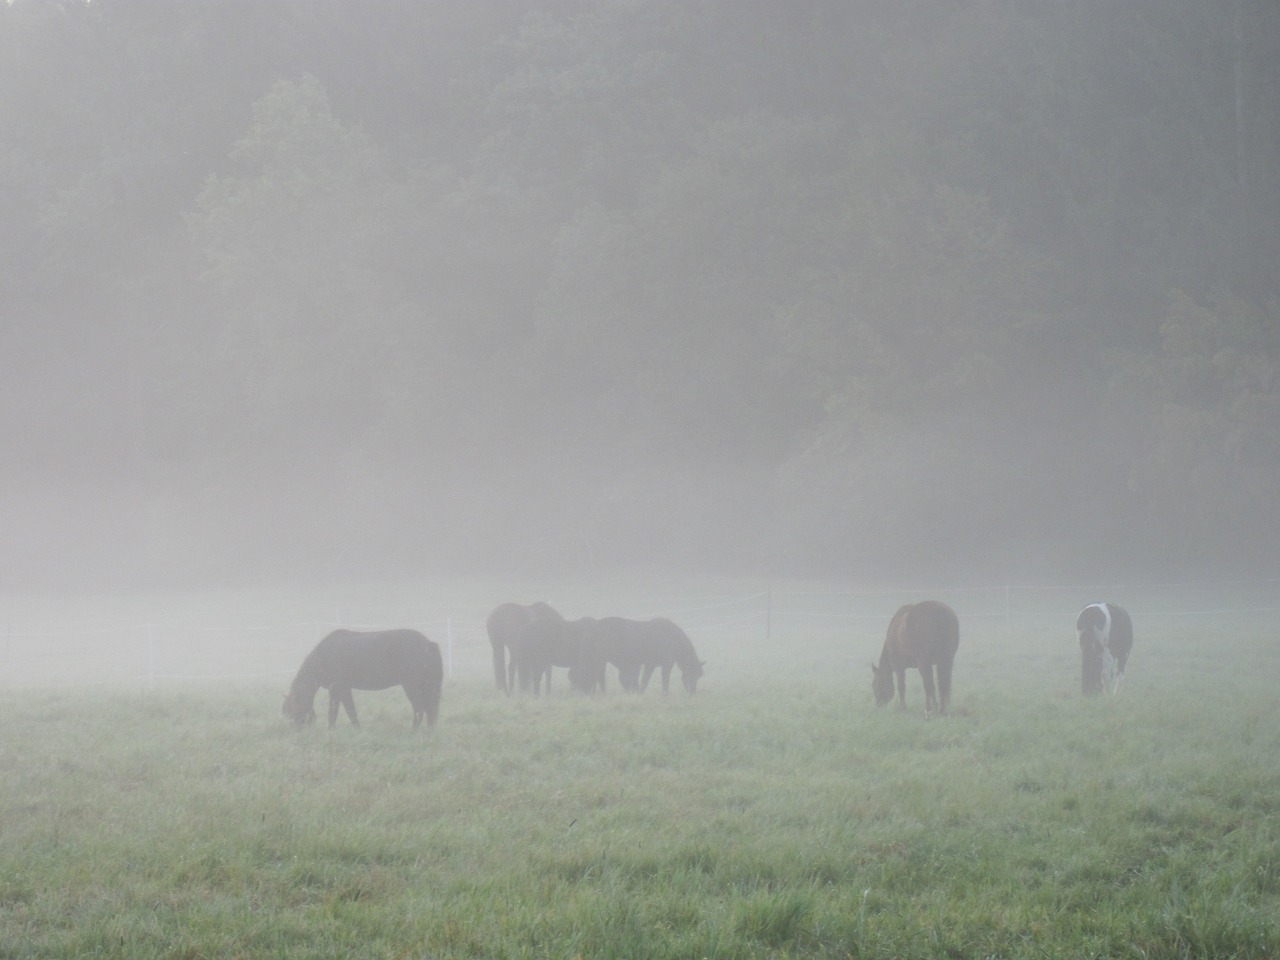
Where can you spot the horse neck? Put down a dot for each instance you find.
(686, 657)
(304, 687)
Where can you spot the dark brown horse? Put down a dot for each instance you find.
(637, 648)
(545, 643)
(504, 625)
(1106, 639)
(921, 635)
(345, 661)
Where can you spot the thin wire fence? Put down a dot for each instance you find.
(206, 648)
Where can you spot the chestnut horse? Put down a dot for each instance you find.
(1106, 638)
(920, 635)
(345, 661)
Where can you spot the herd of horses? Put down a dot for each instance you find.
(529, 640)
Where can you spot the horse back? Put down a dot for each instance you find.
(373, 660)
(925, 633)
(618, 639)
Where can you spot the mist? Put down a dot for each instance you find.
(329, 291)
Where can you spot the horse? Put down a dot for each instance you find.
(598, 646)
(595, 642)
(544, 643)
(346, 660)
(921, 635)
(638, 648)
(504, 626)
(1106, 639)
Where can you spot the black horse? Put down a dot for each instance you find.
(639, 647)
(345, 661)
(504, 626)
(595, 646)
(1106, 639)
(920, 635)
(595, 650)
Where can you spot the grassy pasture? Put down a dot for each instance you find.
(775, 814)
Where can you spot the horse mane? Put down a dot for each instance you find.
(681, 647)
(300, 700)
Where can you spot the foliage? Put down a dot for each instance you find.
(776, 282)
(1215, 394)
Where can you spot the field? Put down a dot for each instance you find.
(153, 804)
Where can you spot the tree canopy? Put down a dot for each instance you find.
(908, 289)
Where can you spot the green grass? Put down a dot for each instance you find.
(775, 814)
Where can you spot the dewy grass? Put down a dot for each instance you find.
(775, 814)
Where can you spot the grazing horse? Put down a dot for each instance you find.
(920, 635)
(671, 646)
(504, 626)
(639, 647)
(345, 661)
(1106, 638)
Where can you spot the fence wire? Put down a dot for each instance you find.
(52, 653)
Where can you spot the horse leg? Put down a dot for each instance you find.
(666, 678)
(500, 666)
(1090, 666)
(930, 692)
(511, 674)
(901, 677)
(341, 697)
(1108, 670)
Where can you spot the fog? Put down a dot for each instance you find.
(323, 291)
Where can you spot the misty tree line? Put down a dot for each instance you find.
(819, 285)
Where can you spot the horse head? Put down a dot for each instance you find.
(881, 684)
(691, 676)
(297, 710)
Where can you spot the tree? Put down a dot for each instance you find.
(1209, 463)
